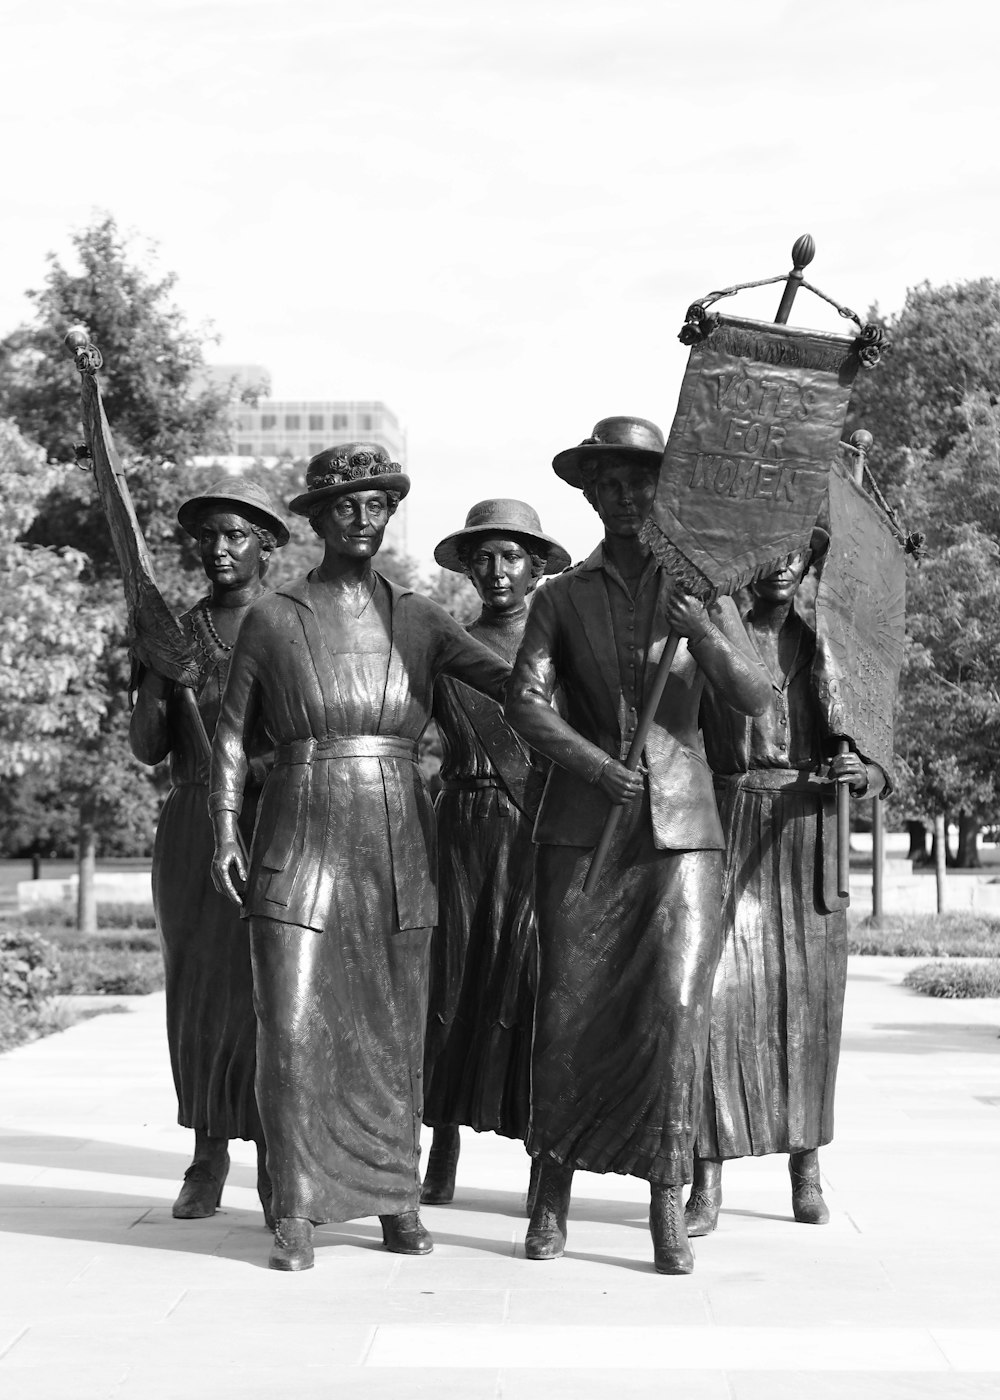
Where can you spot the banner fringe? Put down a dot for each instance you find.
(689, 579)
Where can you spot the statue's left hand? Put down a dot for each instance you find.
(848, 767)
(229, 872)
(687, 616)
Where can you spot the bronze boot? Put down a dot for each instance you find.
(529, 1202)
(808, 1205)
(442, 1163)
(671, 1252)
(292, 1250)
(546, 1237)
(701, 1214)
(404, 1234)
(201, 1194)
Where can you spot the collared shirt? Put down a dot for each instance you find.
(632, 618)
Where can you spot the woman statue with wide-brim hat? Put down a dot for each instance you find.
(625, 972)
(483, 954)
(778, 1004)
(340, 893)
(211, 1027)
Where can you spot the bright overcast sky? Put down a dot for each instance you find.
(493, 216)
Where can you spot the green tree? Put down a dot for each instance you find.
(932, 409)
(163, 411)
(53, 631)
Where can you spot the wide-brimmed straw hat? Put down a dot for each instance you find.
(502, 517)
(350, 466)
(240, 496)
(623, 439)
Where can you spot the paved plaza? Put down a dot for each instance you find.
(103, 1294)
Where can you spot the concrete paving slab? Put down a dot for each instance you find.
(103, 1294)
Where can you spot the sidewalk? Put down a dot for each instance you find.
(103, 1294)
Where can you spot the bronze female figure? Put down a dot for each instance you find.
(340, 666)
(779, 992)
(483, 953)
(211, 1028)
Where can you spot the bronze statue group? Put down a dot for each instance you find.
(346, 962)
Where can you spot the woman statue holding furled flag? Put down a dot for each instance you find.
(211, 1026)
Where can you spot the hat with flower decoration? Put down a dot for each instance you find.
(350, 466)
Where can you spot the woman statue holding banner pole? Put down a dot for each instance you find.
(779, 990)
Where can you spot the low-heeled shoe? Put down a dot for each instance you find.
(404, 1234)
(292, 1249)
(201, 1194)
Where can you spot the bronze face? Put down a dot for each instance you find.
(623, 495)
(783, 584)
(230, 551)
(353, 525)
(501, 572)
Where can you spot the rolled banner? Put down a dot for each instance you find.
(860, 622)
(155, 636)
(745, 470)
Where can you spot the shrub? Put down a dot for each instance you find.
(113, 971)
(28, 971)
(963, 934)
(109, 916)
(28, 967)
(960, 978)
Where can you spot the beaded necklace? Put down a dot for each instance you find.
(210, 628)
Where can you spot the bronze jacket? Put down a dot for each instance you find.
(345, 795)
(569, 643)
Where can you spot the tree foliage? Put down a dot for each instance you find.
(53, 630)
(932, 409)
(73, 717)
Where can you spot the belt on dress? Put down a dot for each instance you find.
(352, 746)
(776, 780)
(469, 784)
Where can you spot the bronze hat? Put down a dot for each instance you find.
(350, 466)
(627, 439)
(240, 496)
(502, 517)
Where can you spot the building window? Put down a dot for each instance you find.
(244, 449)
(316, 424)
(365, 422)
(270, 449)
(292, 422)
(268, 420)
(339, 420)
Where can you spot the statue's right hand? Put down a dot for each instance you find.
(619, 783)
(229, 872)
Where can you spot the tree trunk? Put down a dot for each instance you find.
(917, 832)
(968, 842)
(86, 898)
(940, 853)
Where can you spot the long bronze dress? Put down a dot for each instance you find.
(211, 1027)
(341, 891)
(778, 1002)
(484, 949)
(624, 975)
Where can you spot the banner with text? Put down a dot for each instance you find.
(860, 621)
(744, 474)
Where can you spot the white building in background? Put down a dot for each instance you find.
(299, 428)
